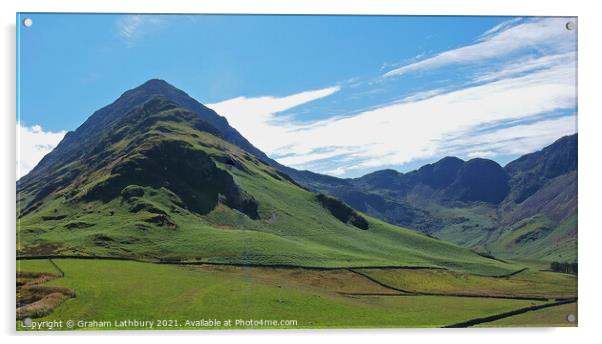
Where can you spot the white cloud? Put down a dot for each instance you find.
(300, 160)
(404, 132)
(547, 34)
(33, 143)
(339, 171)
(500, 27)
(256, 118)
(526, 65)
(128, 26)
(515, 140)
(133, 27)
(481, 154)
(424, 95)
(399, 133)
(522, 70)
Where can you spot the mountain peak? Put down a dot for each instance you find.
(156, 81)
(441, 173)
(387, 172)
(151, 88)
(156, 84)
(450, 159)
(102, 122)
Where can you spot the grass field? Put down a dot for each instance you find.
(36, 265)
(109, 290)
(553, 316)
(535, 284)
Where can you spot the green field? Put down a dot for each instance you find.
(109, 290)
(552, 316)
(534, 284)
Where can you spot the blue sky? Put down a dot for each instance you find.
(341, 95)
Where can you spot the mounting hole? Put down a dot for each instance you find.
(27, 22)
(571, 318)
(569, 25)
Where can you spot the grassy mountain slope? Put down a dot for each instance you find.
(539, 216)
(161, 183)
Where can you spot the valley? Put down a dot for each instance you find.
(109, 291)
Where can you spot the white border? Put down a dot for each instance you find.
(590, 166)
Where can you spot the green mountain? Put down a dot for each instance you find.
(527, 209)
(538, 218)
(158, 176)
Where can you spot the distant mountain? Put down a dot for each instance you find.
(406, 199)
(449, 179)
(532, 171)
(525, 210)
(158, 176)
(539, 215)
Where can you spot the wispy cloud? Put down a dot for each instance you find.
(481, 154)
(131, 28)
(424, 95)
(256, 117)
(526, 65)
(514, 140)
(33, 143)
(416, 129)
(500, 27)
(508, 38)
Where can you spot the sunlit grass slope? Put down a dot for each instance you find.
(556, 316)
(535, 284)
